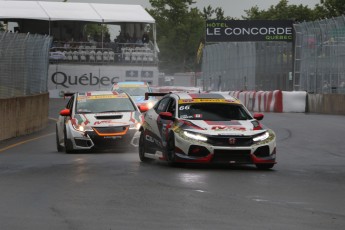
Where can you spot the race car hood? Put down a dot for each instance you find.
(108, 119)
(238, 127)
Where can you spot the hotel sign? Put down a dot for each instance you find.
(249, 30)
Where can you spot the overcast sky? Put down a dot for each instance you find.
(232, 8)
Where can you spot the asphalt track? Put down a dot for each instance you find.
(44, 189)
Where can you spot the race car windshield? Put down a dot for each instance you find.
(213, 112)
(134, 91)
(105, 105)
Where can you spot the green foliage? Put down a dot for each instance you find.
(332, 8)
(2, 28)
(326, 9)
(180, 27)
(208, 13)
(282, 11)
(95, 31)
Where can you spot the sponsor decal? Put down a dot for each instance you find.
(197, 115)
(95, 97)
(153, 140)
(203, 100)
(109, 122)
(112, 137)
(228, 128)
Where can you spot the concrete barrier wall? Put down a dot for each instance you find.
(326, 104)
(23, 115)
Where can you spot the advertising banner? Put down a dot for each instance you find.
(80, 78)
(249, 30)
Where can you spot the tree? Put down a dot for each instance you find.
(95, 32)
(332, 8)
(216, 14)
(326, 9)
(282, 11)
(180, 28)
(1, 27)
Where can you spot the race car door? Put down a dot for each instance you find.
(166, 125)
(153, 132)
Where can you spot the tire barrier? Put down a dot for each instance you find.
(272, 101)
(276, 101)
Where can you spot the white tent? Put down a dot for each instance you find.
(81, 12)
(66, 11)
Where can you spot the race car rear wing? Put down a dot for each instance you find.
(147, 95)
(67, 95)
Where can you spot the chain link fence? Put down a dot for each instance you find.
(247, 66)
(24, 64)
(320, 56)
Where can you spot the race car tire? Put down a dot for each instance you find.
(58, 146)
(68, 143)
(142, 148)
(264, 166)
(170, 149)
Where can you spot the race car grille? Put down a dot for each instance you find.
(231, 156)
(198, 151)
(82, 143)
(230, 141)
(263, 151)
(111, 130)
(106, 141)
(105, 117)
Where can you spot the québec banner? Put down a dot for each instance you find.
(249, 30)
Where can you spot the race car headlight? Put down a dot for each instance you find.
(82, 128)
(195, 136)
(135, 126)
(261, 137)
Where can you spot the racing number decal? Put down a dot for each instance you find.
(184, 107)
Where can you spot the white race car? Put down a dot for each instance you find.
(137, 90)
(97, 119)
(205, 128)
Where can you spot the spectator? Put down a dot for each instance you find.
(145, 38)
(128, 37)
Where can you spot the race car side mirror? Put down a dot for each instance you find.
(143, 108)
(166, 116)
(258, 116)
(65, 112)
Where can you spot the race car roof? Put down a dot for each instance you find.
(131, 84)
(68, 11)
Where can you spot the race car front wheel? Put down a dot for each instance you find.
(142, 148)
(170, 149)
(59, 147)
(68, 143)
